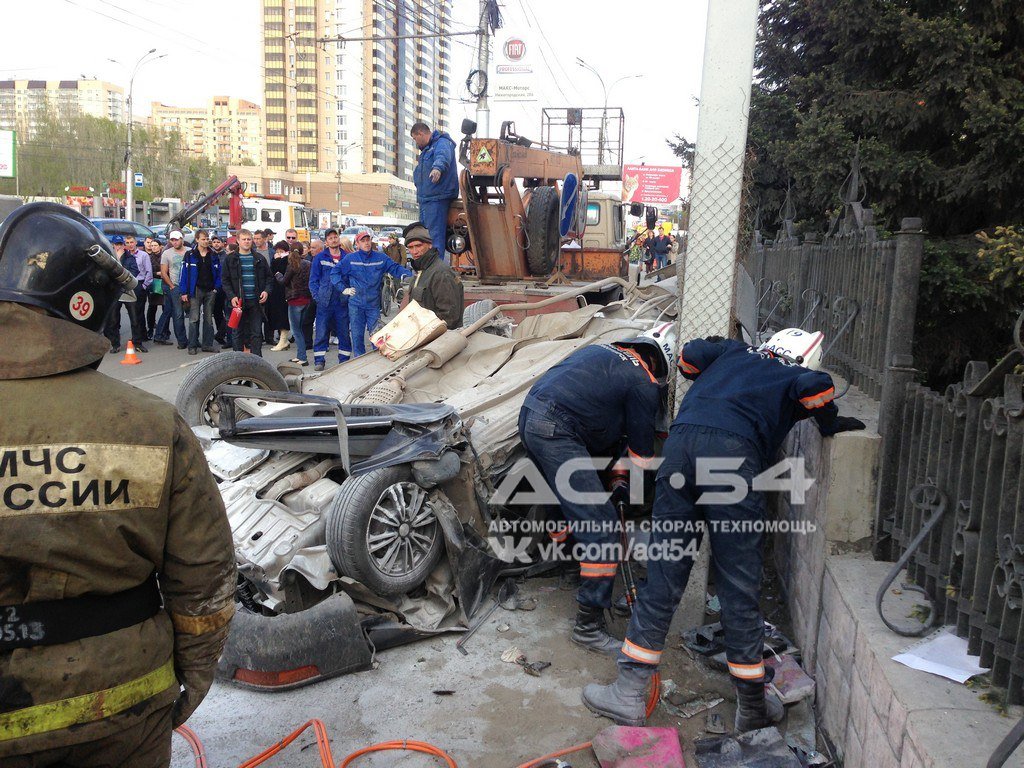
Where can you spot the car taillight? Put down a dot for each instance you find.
(276, 679)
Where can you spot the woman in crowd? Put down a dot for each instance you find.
(295, 281)
(277, 306)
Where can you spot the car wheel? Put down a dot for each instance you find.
(382, 531)
(197, 397)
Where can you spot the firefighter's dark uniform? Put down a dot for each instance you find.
(581, 408)
(741, 406)
(107, 509)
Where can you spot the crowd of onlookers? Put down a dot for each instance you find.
(247, 291)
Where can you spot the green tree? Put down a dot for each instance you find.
(931, 90)
(87, 151)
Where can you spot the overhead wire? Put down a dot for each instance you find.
(211, 50)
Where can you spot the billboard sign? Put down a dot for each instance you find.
(8, 155)
(513, 71)
(651, 184)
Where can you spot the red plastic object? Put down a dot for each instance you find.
(235, 318)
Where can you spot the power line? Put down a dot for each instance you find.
(397, 9)
(528, 11)
(384, 38)
(213, 52)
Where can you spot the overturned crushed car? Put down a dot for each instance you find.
(360, 499)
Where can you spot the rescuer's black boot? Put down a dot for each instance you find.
(591, 632)
(625, 700)
(755, 708)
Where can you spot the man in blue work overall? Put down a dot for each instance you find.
(741, 406)
(437, 181)
(568, 416)
(360, 275)
(331, 304)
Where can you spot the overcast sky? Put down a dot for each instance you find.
(213, 48)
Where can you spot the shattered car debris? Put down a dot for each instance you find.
(359, 497)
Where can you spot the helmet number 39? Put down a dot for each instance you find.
(81, 305)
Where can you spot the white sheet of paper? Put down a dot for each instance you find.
(943, 654)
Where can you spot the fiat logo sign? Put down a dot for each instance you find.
(515, 49)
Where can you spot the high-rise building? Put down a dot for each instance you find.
(348, 106)
(24, 102)
(227, 131)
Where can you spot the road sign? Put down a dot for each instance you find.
(138, 179)
(8, 155)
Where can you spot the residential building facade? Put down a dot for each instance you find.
(24, 102)
(227, 131)
(348, 106)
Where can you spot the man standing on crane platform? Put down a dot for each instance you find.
(437, 180)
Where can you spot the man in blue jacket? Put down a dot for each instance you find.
(331, 304)
(200, 281)
(360, 275)
(437, 180)
(601, 401)
(741, 406)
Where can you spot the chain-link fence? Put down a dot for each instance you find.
(707, 272)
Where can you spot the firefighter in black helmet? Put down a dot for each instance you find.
(116, 565)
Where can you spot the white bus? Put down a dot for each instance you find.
(277, 215)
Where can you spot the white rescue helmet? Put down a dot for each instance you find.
(661, 337)
(797, 345)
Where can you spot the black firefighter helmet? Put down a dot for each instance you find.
(53, 257)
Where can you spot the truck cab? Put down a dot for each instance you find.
(277, 215)
(601, 252)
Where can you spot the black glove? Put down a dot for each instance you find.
(840, 424)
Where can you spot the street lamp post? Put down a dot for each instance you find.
(604, 110)
(342, 152)
(129, 190)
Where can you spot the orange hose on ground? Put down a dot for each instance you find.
(652, 702)
(324, 744)
(560, 753)
(655, 694)
(193, 741)
(407, 745)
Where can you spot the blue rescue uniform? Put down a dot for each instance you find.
(331, 309)
(583, 407)
(364, 271)
(740, 408)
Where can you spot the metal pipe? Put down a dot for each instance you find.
(418, 360)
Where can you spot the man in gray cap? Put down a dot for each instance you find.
(436, 286)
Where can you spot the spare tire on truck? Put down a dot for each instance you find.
(542, 230)
(196, 400)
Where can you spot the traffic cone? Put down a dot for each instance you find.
(130, 358)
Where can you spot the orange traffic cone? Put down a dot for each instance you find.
(130, 358)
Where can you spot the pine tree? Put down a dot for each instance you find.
(933, 91)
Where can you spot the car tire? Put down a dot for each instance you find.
(476, 310)
(542, 230)
(366, 509)
(196, 396)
